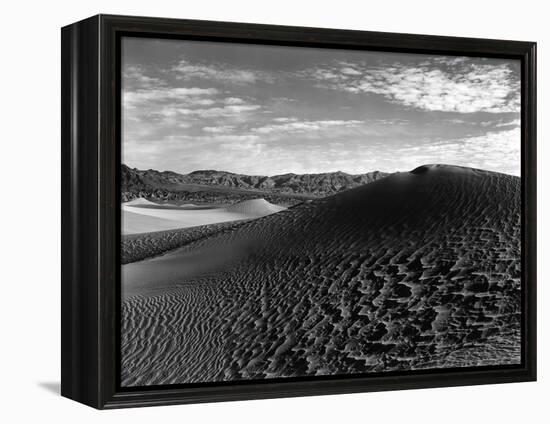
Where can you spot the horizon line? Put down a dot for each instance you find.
(313, 173)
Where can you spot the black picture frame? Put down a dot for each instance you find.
(90, 138)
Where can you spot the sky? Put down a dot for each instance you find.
(268, 110)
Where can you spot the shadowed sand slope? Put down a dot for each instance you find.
(134, 223)
(137, 247)
(143, 216)
(413, 271)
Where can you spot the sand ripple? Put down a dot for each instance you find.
(414, 271)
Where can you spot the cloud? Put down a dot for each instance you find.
(283, 99)
(235, 111)
(285, 119)
(514, 123)
(222, 129)
(260, 154)
(186, 70)
(215, 139)
(167, 105)
(233, 101)
(498, 151)
(442, 84)
(291, 125)
(135, 76)
(350, 71)
(146, 97)
(186, 116)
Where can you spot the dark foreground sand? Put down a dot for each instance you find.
(417, 270)
(137, 247)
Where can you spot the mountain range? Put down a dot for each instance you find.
(215, 186)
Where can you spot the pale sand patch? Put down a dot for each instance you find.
(141, 215)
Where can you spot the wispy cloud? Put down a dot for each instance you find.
(186, 70)
(497, 151)
(166, 95)
(217, 112)
(293, 125)
(208, 105)
(135, 76)
(442, 84)
(221, 129)
(512, 123)
(168, 106)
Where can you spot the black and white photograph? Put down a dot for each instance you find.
(300, 212)
(273, 213)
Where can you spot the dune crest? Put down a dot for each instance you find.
(140, 201)
(255, 207)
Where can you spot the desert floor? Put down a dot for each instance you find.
(417, 270)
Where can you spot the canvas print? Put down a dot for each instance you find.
(294, 212)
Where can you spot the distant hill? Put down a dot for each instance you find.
(211, 185)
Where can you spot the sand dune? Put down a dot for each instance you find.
(255, 208)
(133, 223)
(414, 271)
(141, 215)
(137, 247)
(145, 203)
(140, 201)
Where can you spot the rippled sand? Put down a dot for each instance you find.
(417, 270)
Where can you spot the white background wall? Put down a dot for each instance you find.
(30, 224)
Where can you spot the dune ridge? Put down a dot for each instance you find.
(255, 208)
(414, 271)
